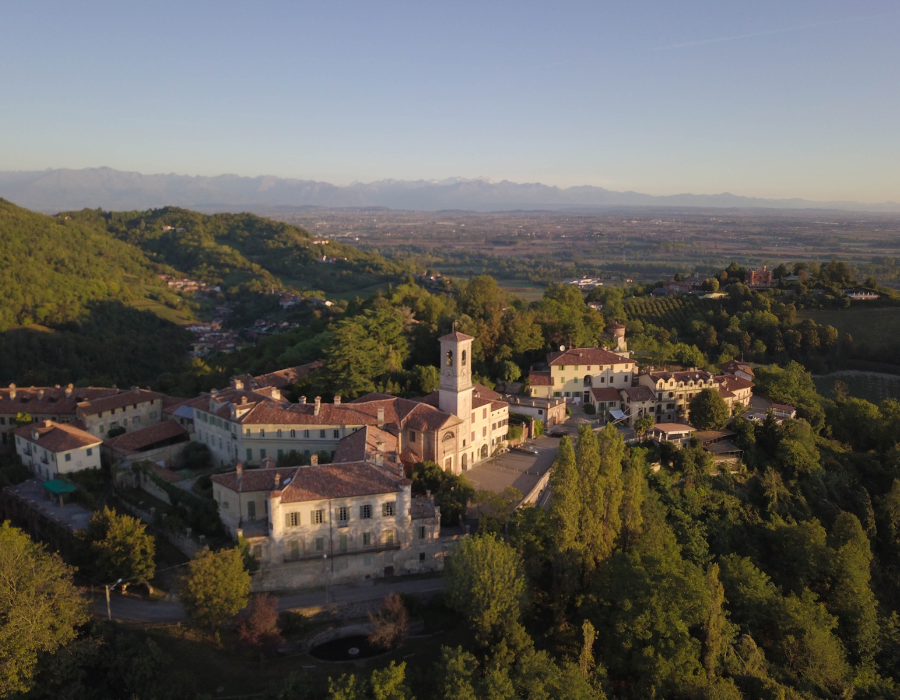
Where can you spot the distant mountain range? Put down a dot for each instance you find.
(64, 189)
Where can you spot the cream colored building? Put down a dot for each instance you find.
(674, 391)
(50, 449)
(337, 521)
(573, 373)
(458, 426)
(131, 410)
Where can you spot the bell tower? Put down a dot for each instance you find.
(456, 374)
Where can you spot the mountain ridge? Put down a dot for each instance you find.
(61, 189)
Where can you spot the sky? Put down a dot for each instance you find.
(763, 98)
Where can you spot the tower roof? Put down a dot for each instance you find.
(457, 336)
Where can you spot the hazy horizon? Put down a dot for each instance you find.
(774, 100)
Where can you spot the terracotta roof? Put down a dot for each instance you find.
(733, 366)
(498, 406)
(146, 438)
(682, 376)
(457, 336)
(639, 393)
(540, 379)
(586, 356)
(57, 437)
(255, 479)
(733, 383)
(606, 394)
(54, 401)
(357, 446)
(481, 391)
(282, 377)
(339, 481)
(783, 407)
(674, 428)
(125, 398)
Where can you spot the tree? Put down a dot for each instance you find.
(390, 625)
(486, 585)
(451, 492)
(39, 607)
(257, 624)
(120, 547)
(643, 424)
(709, 410)
(215, 588)
(565, 497)
(390, 683)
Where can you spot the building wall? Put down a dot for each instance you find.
(568, 380)
(48, 465)
(131, 417)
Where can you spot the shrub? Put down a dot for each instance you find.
(589, 409)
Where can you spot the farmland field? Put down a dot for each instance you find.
(871, 386)
(182, 317)
(879, 328)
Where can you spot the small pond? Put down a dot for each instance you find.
(347, 649)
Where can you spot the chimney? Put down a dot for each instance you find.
(136, 389)
(379, 459)
(237, 383)
(12, 391)
(277, 479)
(40, 394)
(47, 423)
(35, 434)
(318, 406)
(243, 399)
(239, 470)
(337, 400)
(381, 415)
(302, 400)
(69, 389)
(314, 460)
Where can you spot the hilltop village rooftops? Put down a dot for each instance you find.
(586, 356)
(56, 437)
(316, 482)
(56, 400)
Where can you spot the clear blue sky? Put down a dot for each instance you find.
(765, 98)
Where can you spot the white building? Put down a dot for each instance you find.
(50, 449)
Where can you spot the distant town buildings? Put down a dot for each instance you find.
(758, 279)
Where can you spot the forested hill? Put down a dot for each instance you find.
(243, 251)
(54, 266)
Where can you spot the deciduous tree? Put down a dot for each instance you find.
(215, 587)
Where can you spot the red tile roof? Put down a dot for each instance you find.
(54, 401)
(540, 379)
(340, 481)
(282, 377)
(481, 391)
(456, 336)
(145, 438)
(639, 393)
(733, 366)
(57, 437)
(586, 356)
(357, 446)
(606, 394)
(254, 479)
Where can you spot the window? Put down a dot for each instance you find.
(484, 414)
(387, 509)
(248, 432)
(343, 514)
(449, 358)
(421, 556)
(321, 433)
(280, 452)
(412, 435)
(262, 454)
(249, 454)
(556, 394)
(421, 532)
(68, 456)
(365, 512)
(367, 539)
(463, 358)
(278, 433)
(484, 431)
(295, 549)
(292, 520)
(389, 538)
(262, 432)
(90, 451)
(251, 509)
(293, 433)
(320, 544)
(318, 517)
(575, 367)
(306, 433)
(337, 434)
(562, 368)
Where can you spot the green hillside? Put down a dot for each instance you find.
(243, 252)
(54, 267)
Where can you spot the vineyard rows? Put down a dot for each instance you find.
(667, 312)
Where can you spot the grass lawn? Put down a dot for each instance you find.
(182, 317)
(871, 386)
(877, 327)
(528, 291)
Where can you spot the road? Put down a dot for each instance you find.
(170, 610)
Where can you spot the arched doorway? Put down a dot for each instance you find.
(464, 463)
(484, 451)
